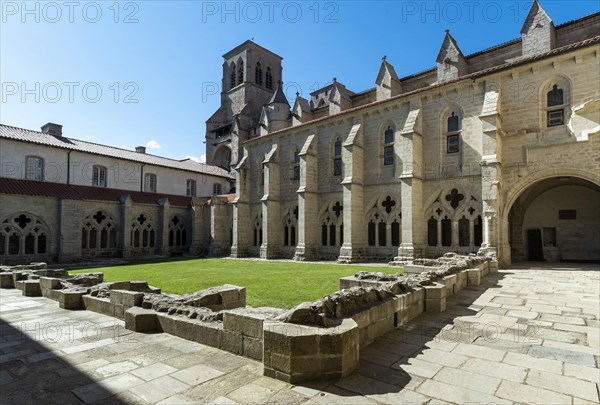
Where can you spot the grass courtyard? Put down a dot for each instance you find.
(268, 283)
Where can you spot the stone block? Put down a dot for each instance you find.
(31, 288)
(435, 306)
(131, 298)
(304, 345)
(51, 294)
(450, 282)
(50, 283)
(116, 296)
(100, 305)
(154, 290)
(70, 299)
(19, 285)
(485, 268)
(138, 286)
(252, 348)
(119, 285)
(244, 323)
(281, 362)
(119, 310)
(384, 326)
(348, 282)
(233, 297)
(416, 309)
(305, 366)
(202, 332)
(366, 335)
(302, 367)
(362, 318)
(6, 280)
(461, 281)
(493, 266)
(399, 302)
(435, 291)
(18, 275)
(473, 277)
(231, 342)
(141, 320)
(403, 316)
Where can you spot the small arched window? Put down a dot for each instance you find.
(240, 75)
(453, 123)
(190, 188)
(269, 79)
(217, 189)
(34, 168)
(297, 164)
(556, 106)
(337, 157)
(232, 77)
(388, 146)
(99, 176)
(452, 135)
(258, 74)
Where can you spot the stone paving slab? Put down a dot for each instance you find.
(523, 335)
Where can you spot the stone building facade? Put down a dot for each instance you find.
(495, 152)
(67, 199)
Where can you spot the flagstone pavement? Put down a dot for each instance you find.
(529, 334)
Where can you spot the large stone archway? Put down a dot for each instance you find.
(553, 218)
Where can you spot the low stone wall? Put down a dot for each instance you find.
(311, 341)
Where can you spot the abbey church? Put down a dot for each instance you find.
(496, 153)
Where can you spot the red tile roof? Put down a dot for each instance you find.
(73, 192)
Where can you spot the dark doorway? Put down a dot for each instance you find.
(534, 243)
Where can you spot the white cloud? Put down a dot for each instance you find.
(153, 144)
(202, 158)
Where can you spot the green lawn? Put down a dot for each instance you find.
(273, 284)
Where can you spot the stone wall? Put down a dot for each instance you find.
(311, 341)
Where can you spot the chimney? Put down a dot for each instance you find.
(52, 129)
(140, 149)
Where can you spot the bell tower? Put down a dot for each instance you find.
(250, 77)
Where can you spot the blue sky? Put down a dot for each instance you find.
(142, 72)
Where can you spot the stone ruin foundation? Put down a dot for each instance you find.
(314, 340)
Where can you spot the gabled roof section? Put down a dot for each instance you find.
(249, 44)
(278, 96)
(338, 88)
(386, 67)
(301, 104)
(449, 44)
(40, 138)
(536, 10)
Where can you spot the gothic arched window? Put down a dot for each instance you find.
(269, 79)
(452, 135)
(297, 164)
(337, 157)
(556, 108)
(240, 75)
(232, 78)
(388, 146)
(258, 74)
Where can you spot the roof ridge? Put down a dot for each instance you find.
(32, 136)
(520, 61)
